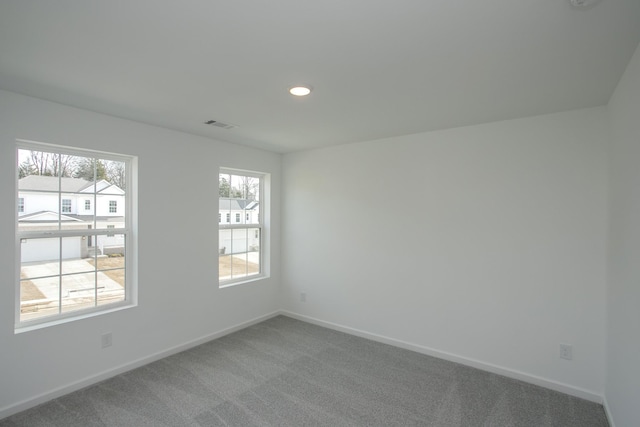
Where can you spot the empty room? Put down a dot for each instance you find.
(428, 213)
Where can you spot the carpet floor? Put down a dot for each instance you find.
(284, 372)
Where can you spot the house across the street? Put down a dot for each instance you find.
(79, 204)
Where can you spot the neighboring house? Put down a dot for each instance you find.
(80, 204)
(238, 212)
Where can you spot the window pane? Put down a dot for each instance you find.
(238, 241)
(253, 254)
(40, 209)
(109, 244)
(223, 185)
(239, 253)
(239, 268)
(78, 291)
(224, 267)
(224, 241)
(40, 163)
(111, 286)
(75, 255)
(111, 271)
(253, 213)
(40, 257)
(39, 298)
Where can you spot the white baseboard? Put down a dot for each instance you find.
(510, 373)
(93, 379)
(607, 412)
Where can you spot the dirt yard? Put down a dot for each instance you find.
(111, 262)
(239, 266)
(29, 291)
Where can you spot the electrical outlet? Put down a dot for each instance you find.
(303, 297)
(566, 351)
(106, 340)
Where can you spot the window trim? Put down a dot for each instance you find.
(261, 225)
(129, 231)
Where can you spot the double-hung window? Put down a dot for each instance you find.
(241, 195)
(72, 264)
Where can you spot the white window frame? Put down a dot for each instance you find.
(129, 231)
(87, 204)
(113, 206)
(20, 204)
(261, 225)
(66, 207)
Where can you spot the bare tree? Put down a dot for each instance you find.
(47, 164)
(248, 187)
(116, 173)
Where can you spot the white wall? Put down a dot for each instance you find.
(179, 300)
(623, 327)
(495, 252)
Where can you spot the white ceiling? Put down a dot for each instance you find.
(379, 68)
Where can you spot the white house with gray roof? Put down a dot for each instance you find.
(46, 202)
(238, 212)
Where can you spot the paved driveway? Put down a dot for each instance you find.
(79, 282)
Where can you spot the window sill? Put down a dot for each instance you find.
(229, 284)
(27, 327)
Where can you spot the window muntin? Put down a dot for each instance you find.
(240, 243)
(20, 204)
(72, 265)
(113, 206)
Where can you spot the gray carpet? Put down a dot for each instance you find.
(284, 372)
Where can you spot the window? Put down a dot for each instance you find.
(241, 256)
(113, 206)
(219, 217)
(72, 266)
(21, 204)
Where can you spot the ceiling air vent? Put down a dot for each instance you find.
(583, 3)
(220, 124)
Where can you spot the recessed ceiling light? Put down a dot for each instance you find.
(300, 90)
